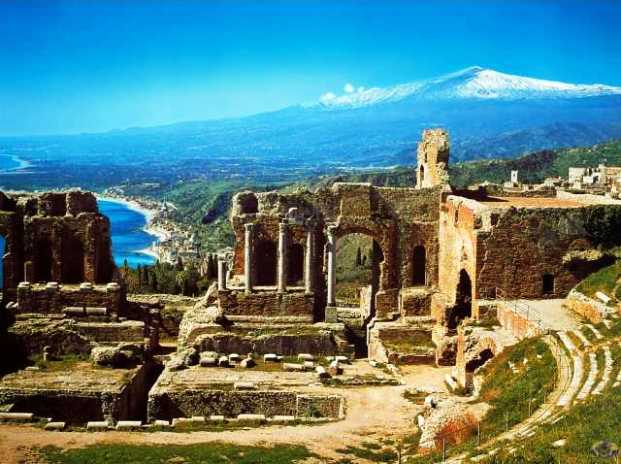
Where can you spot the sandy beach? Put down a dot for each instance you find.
(150, 228)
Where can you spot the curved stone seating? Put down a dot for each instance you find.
(590, 381)
(606, 374)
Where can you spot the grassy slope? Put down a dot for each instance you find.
(508, 393)
(212, 453)
(597, 419)
(604, 280)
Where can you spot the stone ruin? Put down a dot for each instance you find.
(270, 334)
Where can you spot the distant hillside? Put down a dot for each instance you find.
(533, 168)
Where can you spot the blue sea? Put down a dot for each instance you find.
(128, 236)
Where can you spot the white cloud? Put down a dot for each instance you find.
(360, 89)
(349, 88)
(327, 97)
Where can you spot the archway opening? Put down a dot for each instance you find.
(484, 356)
(422, 174)
(463, 301)
(548, 284)
(358, 259)
(295, 264)
(73, 260)
(43, 261)
(265, 263)
(419, 266)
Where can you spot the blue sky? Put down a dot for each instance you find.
(78, 66)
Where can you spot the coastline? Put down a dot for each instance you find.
(150, 228)
(21, 164)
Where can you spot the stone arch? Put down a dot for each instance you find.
(422, 173)
(419, 265)
(265, 262)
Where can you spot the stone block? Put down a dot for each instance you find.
(234, 357)
(113, 287)
(283, 419)
(55, 426)
(335, 368)
(308, 365)
(292, 367)
(97, 426)
(251, 419)
(322, 373)
(331, 315)
(181, 420)
(247, 363)
(128, 425)
(244, 386)
(16, 417)
(96, 311)
(223, 361)
(270, 357)
(217, 419)
(207, 360)
(161, 423)
(86, 286)
(73, 311)
(306, 357)
(198, 419)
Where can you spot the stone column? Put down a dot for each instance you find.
(331, 268)
(221, 273)
(282, 257)
(248, 261)
(308, 262)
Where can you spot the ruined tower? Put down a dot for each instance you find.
(433, 156)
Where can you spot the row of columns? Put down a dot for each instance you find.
(282, 271)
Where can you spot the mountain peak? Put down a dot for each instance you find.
(474, 82)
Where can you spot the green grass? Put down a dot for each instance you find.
(603, 281)
(370, 451)
(508, 393)
(584, 425)
(208, 453)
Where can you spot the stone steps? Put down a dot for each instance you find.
(585, 341)
(608, 364)
(591, 378)
(577, 369)
(597, 333)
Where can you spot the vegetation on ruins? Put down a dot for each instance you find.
(583, 427)
(605, 280)
(166, 278)
(512, 394)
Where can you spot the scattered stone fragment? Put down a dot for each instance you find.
(322, 373)
(247, 363)
(128, 425)
(208, 360)
(559, 443)
(198, 419)
(181, 420)
(161, 423)
(16, 416)
(251, 418)
(335, 368)
(55, 426)
(244, 386)
(306, 357)
(309, 365)
(234, 357)
(97, 426)
(283, 419)
(293, 367)
(270, 357)
(216, 419)
(223, 361)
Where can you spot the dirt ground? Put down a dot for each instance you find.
(372, 413)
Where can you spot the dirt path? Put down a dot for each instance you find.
(371, 412)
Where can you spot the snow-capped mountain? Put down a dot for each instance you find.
(487, 113)
(470, 83)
